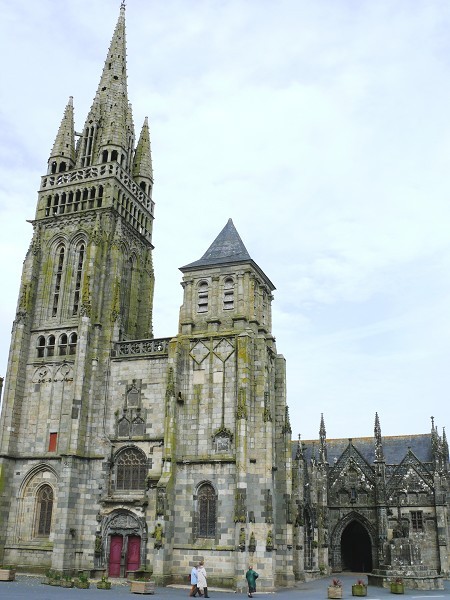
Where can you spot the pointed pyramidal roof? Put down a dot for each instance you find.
(226, 249)
(110, 106)
(65, 138)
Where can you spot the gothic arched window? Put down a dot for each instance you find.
(73, 343)
(51, 345)
(57, 279)
(79, 261)
(62, 345)
(202, 305)
(206, 511)
(131, 470)
(41, 346)
(44, 511)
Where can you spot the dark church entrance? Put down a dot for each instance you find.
(356, 549)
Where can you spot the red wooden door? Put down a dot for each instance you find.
(115, 553)
(133, 553)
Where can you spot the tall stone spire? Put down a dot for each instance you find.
(142, 166)
(62, 156)
(299, 452)
(108, 125)
(323, 458)
(379, 454)
(445, 445)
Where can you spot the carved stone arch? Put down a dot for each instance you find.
(222, 440)
(64, 373)
(74, 244)
(80, 236)
(43, 374)
(124, 524)
(205, 482)
(134, 257)
(31, 473)
(124, 248)
(336, 537)
(27, 508)
(58, 239)
(123, 521)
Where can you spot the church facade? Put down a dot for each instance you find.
(119, 451)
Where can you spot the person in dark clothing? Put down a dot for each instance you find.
(251, 577)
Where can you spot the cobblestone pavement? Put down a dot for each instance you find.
(30, 588)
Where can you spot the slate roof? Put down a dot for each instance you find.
(226, 249)
(395, 448)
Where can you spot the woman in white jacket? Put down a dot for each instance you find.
(202, 583)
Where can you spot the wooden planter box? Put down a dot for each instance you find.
(83, 585)
(397, 588)
(66, 584)
(359, 590)
(142, 587)
(7, 574)
(334, 591)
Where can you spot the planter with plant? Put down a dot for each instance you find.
(335, 589)
(49, 574)
(359, 588)
(54, 578)
(7, 573)
(82, 582)
(66, 581)
(397, 586)
(104, 583)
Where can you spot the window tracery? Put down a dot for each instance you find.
(79, 261)
(207, 511)
(60, 254)
(131, 470)
(44, 511)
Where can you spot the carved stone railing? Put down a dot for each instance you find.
(132, 348)
(94, 172)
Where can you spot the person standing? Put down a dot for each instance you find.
(194, 580)
(202, 583)
(251, 576)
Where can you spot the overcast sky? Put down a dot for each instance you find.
(322, 128)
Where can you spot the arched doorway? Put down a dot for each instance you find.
(356, 549)
(124, 538)
(124, 554)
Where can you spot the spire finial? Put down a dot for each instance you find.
(379, 455)
(323, 441)
(299, 453)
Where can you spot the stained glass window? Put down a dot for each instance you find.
(207, 511)
(45, 509)
(131, 470)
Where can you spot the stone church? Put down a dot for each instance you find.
(119, 451)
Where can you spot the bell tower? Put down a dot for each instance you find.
(87, 282)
